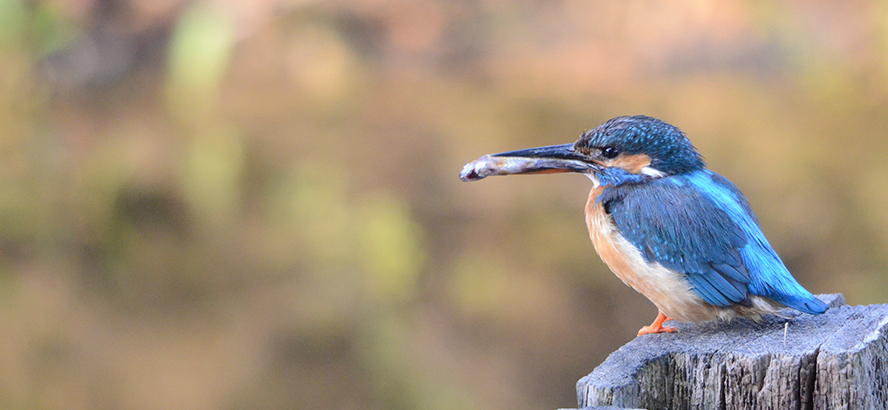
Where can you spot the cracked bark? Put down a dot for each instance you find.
(835, 360)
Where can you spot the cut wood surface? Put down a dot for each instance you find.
(838, 360)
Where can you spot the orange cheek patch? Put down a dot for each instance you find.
(631, 163)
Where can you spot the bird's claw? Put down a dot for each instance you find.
(657, 326)
(647, 330)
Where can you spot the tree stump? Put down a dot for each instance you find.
(838, 360)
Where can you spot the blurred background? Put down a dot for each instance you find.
(221, 204)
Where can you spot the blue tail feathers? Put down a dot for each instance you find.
(808, 304)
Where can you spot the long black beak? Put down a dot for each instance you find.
(550, 159)
(563, 151)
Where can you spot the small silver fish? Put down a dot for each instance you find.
(489, 165)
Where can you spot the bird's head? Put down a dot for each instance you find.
(620, 151)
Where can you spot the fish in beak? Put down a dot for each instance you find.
(540, 160)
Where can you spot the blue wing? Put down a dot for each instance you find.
(701, 225)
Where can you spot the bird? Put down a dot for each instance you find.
(680, 234)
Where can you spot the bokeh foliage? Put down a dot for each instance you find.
(222, 204)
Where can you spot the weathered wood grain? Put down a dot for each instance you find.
(838, 360)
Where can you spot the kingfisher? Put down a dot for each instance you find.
(678, 233)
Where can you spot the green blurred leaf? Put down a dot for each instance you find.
(212, 174)
(199, 57)
(390, 247)
(12, 21)
(51, 28)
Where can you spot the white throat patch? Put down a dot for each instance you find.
(652, 172)
(595, 182)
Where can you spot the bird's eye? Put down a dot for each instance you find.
(609, 152)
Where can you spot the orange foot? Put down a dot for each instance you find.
(657, 326)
